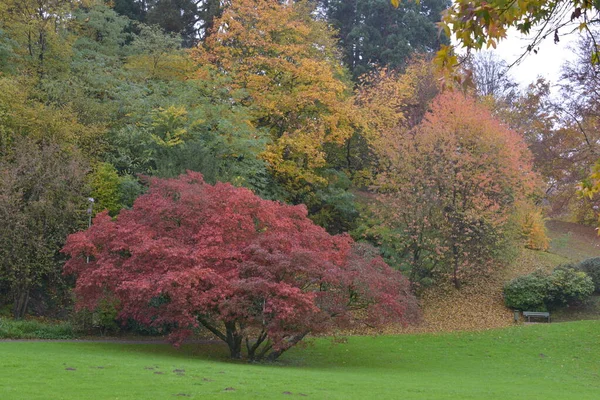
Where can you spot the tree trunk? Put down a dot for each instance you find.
(455, 278)
(274, 355)
(455, 266)
(254, 347)
(21, 303)
(234, 340)
(232, 336)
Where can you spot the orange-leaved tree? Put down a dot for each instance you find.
(450, 193)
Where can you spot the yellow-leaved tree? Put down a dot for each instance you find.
(288, 64)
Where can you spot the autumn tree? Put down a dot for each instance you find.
(38, 29)
(451, 189)
(392, 103)
(21, 114)
(256, 273)
(288, 65)
(562, 137)
(389, 104)
(580, 115)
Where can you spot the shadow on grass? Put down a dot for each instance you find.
(587, 310)
(316, 354)
(216, 352)
(202, 351)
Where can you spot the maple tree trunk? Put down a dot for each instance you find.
(232, 336)
(274, 355)
(255, 346)
(234, 340)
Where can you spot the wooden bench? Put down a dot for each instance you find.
(536, 314)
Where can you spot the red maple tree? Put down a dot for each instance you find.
(251, 271)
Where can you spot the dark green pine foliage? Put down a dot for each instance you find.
(176, 16)
(209, 11)
(132, 9)
(373, 33)
(191, 19)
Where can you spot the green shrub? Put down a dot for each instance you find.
(568, 285)
(106, 314)
(527, 292)
(591, 266)
(32, 329)
(102, 320)
(540, 291)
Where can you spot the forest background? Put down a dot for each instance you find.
(334, 105)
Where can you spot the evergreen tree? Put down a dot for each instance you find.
(191, 19)
(373, 33)
(176, 16)
(132, 9)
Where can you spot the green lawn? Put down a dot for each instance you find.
(542, 361)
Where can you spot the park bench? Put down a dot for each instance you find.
(536, 314)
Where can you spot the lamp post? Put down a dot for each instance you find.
(89, 211)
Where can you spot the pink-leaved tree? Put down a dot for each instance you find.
(256, 273)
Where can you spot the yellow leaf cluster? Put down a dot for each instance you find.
(288, 65)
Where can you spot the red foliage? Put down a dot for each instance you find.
(190, 254)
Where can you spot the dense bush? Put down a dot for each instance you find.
(527, 292)
(540, 291)
(568, 285)
(591, 267)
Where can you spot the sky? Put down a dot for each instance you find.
(546, 63)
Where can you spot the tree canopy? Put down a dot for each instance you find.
(445, 201)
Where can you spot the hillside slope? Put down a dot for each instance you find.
(573, 241)
(479, 305)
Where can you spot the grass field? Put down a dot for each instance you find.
(543, 361)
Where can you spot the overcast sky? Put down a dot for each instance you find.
(546, 63)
